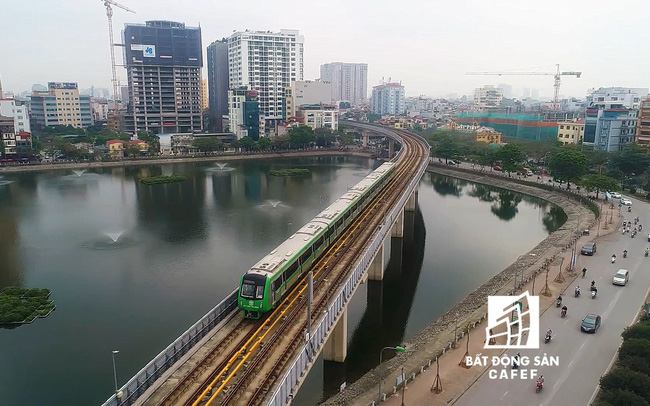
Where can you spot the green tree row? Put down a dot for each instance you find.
(628, 383)
(595, 170)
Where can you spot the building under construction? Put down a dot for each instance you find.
(541, 127)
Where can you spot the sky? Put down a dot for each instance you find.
(427, 45)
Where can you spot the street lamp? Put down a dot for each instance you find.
(396, 348)
(118, 393)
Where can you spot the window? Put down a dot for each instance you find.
(319, 242)
(305, 255)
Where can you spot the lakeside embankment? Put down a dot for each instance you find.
(197, 158)
(436, 339)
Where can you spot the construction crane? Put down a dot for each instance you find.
(109, 14)
(557, 75)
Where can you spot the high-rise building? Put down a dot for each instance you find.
(349, 81)
(61, 104)
(266, 62)
(18, 111)
(643, 123)
(163, 64)
(1, 88)
(306, 92)
(487, 97)
(244, 113)
(218, 83)
(388, 98)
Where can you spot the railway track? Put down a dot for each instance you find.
(233, 371)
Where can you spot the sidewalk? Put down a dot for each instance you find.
(455, 379)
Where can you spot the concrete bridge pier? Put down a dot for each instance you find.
(411, 201)
(380, 261)
(336, 347)
(398, 228)
(365, 135)
(391, 147)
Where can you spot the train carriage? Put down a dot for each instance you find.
(268, 281)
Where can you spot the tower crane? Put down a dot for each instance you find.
(557, 75)
(109, 14)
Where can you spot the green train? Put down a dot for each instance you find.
(267, 282)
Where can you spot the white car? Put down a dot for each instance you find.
(615, 195)
(626, 202)
(621, 277)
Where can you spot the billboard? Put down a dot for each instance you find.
(149, 51)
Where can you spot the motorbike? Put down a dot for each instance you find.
(547, 338)
(633, 234)
(629, 209)
(594, 291)
(576, 294)
(539, 386)
(624, 254)
(646, 252)
(584, 272)
(558, 303)
(614, 258)
(563, 313)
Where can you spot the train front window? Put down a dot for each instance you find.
(248, 289)
(252, 287)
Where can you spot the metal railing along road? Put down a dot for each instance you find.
(301, 364)
(137, 385)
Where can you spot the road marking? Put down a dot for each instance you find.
(504, 395)
(583, 344)
(570, 363)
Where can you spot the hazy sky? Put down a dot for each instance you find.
(427, 45)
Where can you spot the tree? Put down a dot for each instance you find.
(620, 397)
(264, 143)
(568, 165)
(301, 137)
(447, 148)
(207, 144)
(132, 150)
(623, 378)
(324, 137)
(635, 346)
(598, 182)
(246, 143)
(639, 330)
(511, 156)
(633, 159)
(346, 139)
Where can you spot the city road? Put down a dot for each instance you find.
(583, 358)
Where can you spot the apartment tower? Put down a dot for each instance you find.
(349, 81)
(266, 62)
